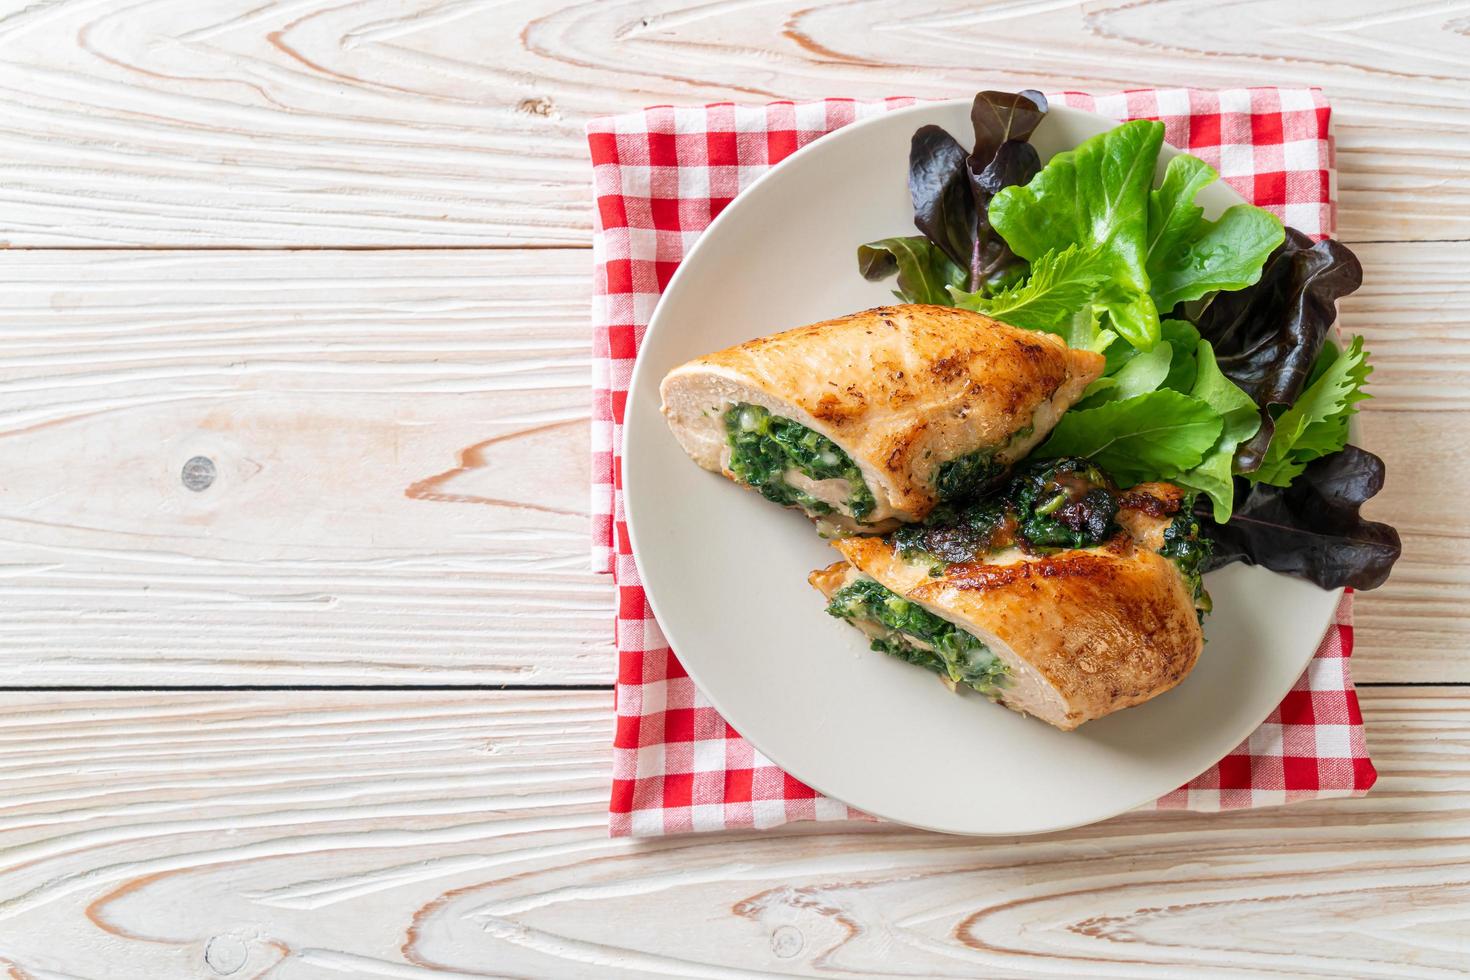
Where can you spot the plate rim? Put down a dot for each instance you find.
(629, 480)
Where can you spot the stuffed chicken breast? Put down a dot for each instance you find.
(1064, 598)
(870, 420)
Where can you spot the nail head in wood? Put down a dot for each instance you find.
(198, 473)
(787, 941)
(225, 954)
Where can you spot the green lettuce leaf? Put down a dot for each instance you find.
(924, 272)
(1240, 418)
(1154, 436)
(1317, 424)
(1188, 256)
(1061, 285)
(1184, 339)
(1139, 376)
(1131, 314)
(1096, 197)
(1331, 434)
(1086, 332)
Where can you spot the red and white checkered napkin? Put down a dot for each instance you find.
(660, 177)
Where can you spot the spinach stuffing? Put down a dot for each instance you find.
(952, 653)
(1191, 554)
(966, 475)
(953, 535)
(1065, 503)
(764, 446)
(1051, 503)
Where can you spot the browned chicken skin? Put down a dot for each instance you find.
(900, 389)
(1084, 632)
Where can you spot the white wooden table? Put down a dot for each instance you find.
(345, 711)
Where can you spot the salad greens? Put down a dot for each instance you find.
(1139, 375)
(1313, 528)
(1139, 438)
(1154, 247)
(951, 190)
(1060, 285)
(1220, 373)
(1269, 336)
(1183, 340)
(924, 272)
(764, 446)
(1189, 257)
(954, 654)
(1238, 422)
(1095, 197)
(1316, 425)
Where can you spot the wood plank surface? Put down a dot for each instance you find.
(1412, 314)
(400, 444)
(445, 122)
(324, 835)
(401, 459)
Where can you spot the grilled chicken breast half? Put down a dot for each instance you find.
(870, 420)
(1065, 634)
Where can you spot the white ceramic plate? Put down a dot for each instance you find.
(725, 570)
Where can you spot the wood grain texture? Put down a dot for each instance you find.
(313, 835)
(447, 122)
(402, 467)
(1412, 314)
(401, 447)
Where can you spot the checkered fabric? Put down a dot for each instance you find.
(660, 177)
